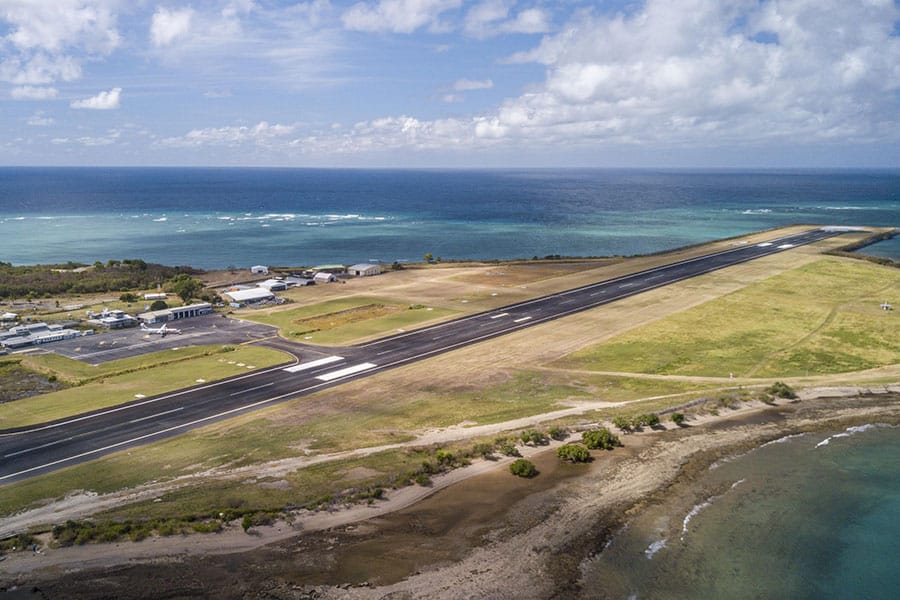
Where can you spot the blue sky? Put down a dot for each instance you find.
(451, 83)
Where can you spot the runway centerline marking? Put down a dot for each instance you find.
(174, 410)
(248, 390)
(500, 315)
(522, 320)
(345, 372)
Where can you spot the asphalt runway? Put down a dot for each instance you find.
(51, 446)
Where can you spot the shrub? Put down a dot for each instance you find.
(247, 522)
(533, 437)
(558, 433)
(575, 453)
(600, 439)
(444, 457)
(422, 479)
(781, 390)
(622, 422)
(645, 420)
(159, 305)
(509, 449)
(484, 450)
(678, 418)
(128, 298)
(523, 468)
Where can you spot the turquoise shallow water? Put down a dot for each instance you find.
(214, 218)
(814, 516)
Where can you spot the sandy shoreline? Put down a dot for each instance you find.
(542, 533)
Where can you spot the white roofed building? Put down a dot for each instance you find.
(364, 270)
(251, 296)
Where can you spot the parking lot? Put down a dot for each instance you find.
(125, 343)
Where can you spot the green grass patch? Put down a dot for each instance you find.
(345, 320)
(78, 372)
(118, 389)
(821, 318)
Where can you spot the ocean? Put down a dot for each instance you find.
(216, 218)
(812, 516)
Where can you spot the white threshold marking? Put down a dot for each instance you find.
(500, 315)
(785, 246)
(764, 245)
(522, 320)
(313, 364)
(259, 387)
(348, 371)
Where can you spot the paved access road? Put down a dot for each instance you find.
(51, 446)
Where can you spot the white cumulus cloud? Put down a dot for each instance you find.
(169, 25)
(398, 16)
(102, 101)
(47, 40)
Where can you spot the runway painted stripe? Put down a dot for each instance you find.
(174, 410)
(248, 390)
(313, 364)
(345, 372)
(500, 315)
(522, 320)
(786, 246)
(764, 245)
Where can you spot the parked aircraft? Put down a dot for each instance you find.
(162, 331)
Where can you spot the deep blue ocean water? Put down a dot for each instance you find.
(212, 218)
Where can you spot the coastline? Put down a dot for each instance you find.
(542, 531)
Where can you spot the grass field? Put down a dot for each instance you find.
(345, 320)
(822, 318)
(118, 389)
(77, 372)
(295, 428)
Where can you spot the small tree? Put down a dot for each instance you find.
(185, 286)
(128, 298)
(429, 257)
(523, 468)
(600, 439)
(678, 418)
(159, 305)
(575, 453)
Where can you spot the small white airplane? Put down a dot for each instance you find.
(162, 331)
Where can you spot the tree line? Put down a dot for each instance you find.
(36, 281)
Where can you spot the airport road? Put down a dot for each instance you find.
(40, 449)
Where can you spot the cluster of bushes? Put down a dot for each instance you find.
(636, 422)
(78, 533)
(21, 541)
(36, 281)
(600, 439)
